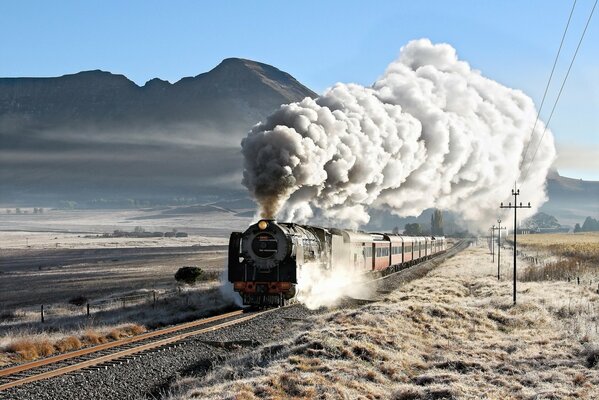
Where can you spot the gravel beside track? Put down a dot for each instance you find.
(148, 375)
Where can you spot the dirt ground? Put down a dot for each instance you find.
(33, 284)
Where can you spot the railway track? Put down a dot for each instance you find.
(119, 351)
(123, 350)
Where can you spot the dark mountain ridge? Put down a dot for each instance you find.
(236, 92)
(97, 134)
(571, 200)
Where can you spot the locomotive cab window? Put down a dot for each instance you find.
(264, 245)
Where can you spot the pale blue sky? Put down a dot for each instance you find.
(320, 43)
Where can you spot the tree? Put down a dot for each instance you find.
(139, 229)
(395, 230)
(590, 225)
(189, 275)
(413, 229)
(437, 223)
(577, 228)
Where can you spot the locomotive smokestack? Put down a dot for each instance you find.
(431, 132)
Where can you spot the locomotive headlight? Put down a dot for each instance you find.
(262, 225)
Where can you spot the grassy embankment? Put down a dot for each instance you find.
(454, 334)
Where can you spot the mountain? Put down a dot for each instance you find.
(571, 200)
(95, 133)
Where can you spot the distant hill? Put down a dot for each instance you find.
(571, 200)
(95, 133)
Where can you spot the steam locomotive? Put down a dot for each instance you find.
(264, 260)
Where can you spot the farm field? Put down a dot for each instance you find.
(561, 257)
(582, 245)
(57, 255)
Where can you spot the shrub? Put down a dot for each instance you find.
(30, 349)
(78, 300)
(67, 344)
(189, 275)
(92, 337)
(591, 353)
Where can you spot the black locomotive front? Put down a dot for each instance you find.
(263, 261)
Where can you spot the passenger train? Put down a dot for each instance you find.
(264, 260)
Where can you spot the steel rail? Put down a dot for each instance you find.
(123, 353)
(116, 343)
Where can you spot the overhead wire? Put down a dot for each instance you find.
(560, 90)
(547, 86)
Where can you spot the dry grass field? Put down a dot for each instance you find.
(561, 257)
(582, 246)
(453, 334)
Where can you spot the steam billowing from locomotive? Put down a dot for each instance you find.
(431, 132)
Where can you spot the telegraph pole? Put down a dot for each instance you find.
(515, 193)
(493, 242)
(499, 246)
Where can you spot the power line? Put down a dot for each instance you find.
(560, 91)
(547, 86)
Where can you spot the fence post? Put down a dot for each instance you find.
(123, 302)
(154, 295)
(578, 280)
(42, 313)
(88, 309)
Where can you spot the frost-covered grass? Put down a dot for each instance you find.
(582, 246)
(23, 341)
(561, 257)
(454, 334)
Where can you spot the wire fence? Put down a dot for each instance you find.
(80, 306)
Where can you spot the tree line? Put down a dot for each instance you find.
(589, 225)
(416, 229)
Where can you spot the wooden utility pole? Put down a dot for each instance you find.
(515, 193)
(498, 247)
(493, 242)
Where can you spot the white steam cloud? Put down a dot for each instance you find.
(318, 287)
(431, 132)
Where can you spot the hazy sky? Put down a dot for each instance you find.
(320, 43)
